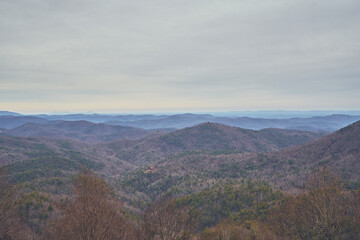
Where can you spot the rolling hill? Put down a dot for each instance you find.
(81, 130)
(210, 137)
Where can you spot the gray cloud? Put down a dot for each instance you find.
(241, 54)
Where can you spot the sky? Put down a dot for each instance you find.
(179, 55)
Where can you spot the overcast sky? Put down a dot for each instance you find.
(172, 55)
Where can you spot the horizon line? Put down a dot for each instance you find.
(171, 112)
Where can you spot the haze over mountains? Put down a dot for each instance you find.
(327, 123)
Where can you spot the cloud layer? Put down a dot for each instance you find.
(159, 55)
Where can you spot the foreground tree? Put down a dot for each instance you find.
(326, 211)
(165, 220)
(94, 214)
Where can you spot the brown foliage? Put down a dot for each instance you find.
(166, 221)
(94, 214)
(327, 211)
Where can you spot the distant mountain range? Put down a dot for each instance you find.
(328, 123)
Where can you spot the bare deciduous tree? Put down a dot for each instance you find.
(165, 220)
(94, 214)
(327, 211)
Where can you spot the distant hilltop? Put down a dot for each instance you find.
(7, 113)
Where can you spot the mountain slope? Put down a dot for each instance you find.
(210, 137)
(340, 150)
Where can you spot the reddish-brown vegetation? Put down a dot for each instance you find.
(165, 220)
(94, 214)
